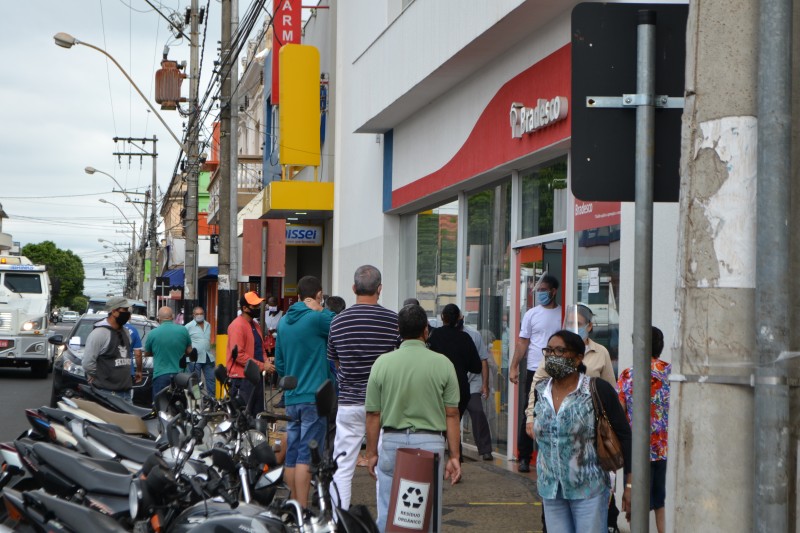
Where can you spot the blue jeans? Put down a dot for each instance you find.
(126, 395)
(577, 516)
(387, 454)
(206, 372)
(159, 383)
(304, 427)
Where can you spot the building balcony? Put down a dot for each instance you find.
(249, 184)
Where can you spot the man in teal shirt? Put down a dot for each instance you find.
(168, 344)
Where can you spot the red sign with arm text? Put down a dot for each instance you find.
(286, 29)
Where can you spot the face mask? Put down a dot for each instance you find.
(584, 333)
(199, 319)
(543, 297)
(273, 308)
(123, 317)
(559, 367)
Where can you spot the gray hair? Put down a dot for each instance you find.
(367, 279)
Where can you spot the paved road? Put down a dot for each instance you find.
(19, 391)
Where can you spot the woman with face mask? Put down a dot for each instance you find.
(596, 359)
(574, 488)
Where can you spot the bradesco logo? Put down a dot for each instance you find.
(529, 119)
(303, 235)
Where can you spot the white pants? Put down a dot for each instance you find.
(351, 425)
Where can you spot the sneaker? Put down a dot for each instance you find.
(487, 457)
(524, 466)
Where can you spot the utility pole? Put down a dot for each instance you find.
(226, 296)
(234, 143)
(140, 142)
(143, 246)
(193, 165)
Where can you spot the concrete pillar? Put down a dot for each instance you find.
(710, 476)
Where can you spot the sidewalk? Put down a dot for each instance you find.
(491, 497)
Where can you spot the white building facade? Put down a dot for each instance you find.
(452, 176)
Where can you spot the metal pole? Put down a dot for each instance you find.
(152, 305)
(771, 413)
(643, 267)
(263, 288)
(226, 296)
(193, 168)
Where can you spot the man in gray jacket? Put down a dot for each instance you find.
(107, 355)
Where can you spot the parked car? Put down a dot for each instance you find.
(70, 316)
(68, 372)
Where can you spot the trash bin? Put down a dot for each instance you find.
(414, 501)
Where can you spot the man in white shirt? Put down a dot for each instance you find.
(200, 333)
(538, 324)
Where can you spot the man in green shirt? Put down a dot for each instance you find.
(168, 344)
(412, 394)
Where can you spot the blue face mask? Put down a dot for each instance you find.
(583, 333)
(543, 298)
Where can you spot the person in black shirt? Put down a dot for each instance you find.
(457, 345)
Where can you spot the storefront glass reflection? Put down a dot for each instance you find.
(437, 239)
(488, 297)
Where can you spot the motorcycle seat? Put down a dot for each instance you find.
(88, 473)
(130, 424)
(75, 517)
(64, 417)
(137, 450)
(115, 401)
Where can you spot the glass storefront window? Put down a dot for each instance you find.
(597, 282)
(488, 298)
(437, 239)
(543, 205)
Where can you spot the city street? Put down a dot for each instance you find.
(21, 391)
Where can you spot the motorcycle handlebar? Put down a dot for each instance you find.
(313, 447)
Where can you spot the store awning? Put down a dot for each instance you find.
(176, 277)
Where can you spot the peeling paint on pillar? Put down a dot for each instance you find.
(729, 208)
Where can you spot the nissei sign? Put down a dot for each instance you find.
(303, 235)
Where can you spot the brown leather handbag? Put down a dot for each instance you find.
(609, 449)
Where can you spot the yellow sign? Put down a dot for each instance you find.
(299, 114)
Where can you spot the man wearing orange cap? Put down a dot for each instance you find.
(245, 334)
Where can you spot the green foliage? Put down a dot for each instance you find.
(64, 268)
(79, 304)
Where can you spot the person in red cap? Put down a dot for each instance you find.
(246, 335)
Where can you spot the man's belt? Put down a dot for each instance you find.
(412, 431)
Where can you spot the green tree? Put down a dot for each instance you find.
(79, 304)
(64, 268)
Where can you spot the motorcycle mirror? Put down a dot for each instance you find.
(264, 454)
(288, 383)
(183, 380)
(252, 372)
(234, 353)
(221, 374)
(222, 460)
(326, 399)
(56, 340)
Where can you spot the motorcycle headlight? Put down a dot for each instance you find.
(71, 367)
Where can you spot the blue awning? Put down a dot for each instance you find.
(176, 277)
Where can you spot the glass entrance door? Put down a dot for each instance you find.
(532, 262)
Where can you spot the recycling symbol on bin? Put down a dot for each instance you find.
(413, 498)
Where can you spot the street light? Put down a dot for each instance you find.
(65, 40)
(92, 170)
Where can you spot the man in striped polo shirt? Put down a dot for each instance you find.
(358, 335)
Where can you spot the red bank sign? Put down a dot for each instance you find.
(286, 29)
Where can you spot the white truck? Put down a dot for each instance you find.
(24, 315)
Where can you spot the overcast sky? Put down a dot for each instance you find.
(64, 106)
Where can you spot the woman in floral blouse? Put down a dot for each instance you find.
(659, 421)
(573, 486)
